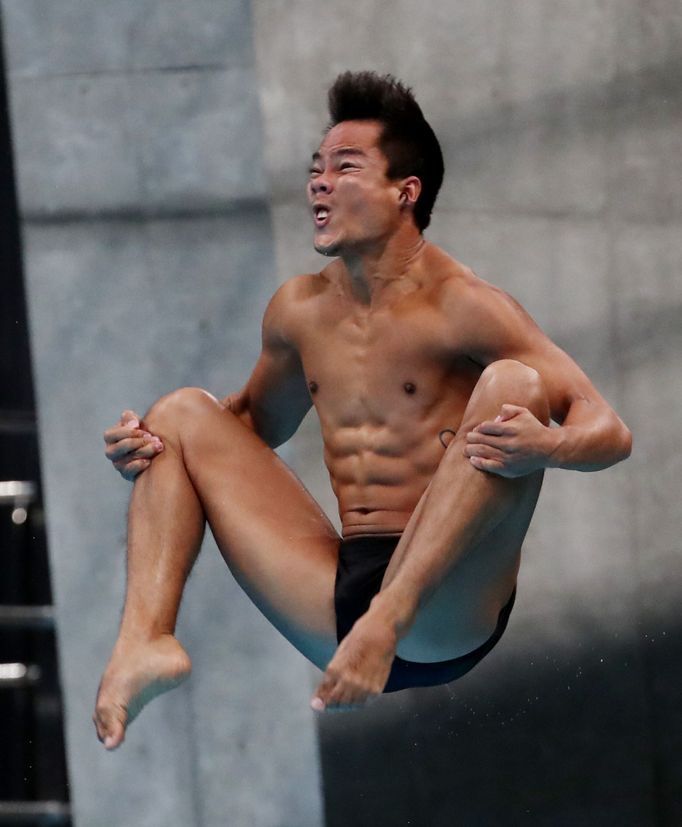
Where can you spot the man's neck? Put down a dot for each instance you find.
(367, 271)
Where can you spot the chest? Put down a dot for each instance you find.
(374, 362)
(334, 340)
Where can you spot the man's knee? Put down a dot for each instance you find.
(184, 405)
(516, 384)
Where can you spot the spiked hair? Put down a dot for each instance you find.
(407, 140)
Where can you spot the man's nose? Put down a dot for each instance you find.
(321, 184)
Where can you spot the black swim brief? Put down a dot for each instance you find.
(360, 570)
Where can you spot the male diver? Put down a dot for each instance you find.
(435, 391)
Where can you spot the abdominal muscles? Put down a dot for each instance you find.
(378, 475)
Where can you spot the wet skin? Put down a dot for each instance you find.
(393, 342)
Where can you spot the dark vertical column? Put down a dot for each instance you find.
(32, 762)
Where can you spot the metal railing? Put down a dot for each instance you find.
(34, 813)
(17, 497)
(27, 617)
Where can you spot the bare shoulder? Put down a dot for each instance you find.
(291, 303)
(457, 284)
(456, 288)
(484, 317)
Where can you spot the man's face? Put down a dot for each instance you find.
(354, 204)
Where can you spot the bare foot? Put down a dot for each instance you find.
(360, 667)
(136, 673)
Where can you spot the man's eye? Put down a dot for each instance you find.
(314, 171)
(347, 165)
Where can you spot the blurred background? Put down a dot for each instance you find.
(154, 157)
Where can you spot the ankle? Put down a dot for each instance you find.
(396, 610)
(136, 634)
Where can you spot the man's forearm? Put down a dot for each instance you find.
(591, 438)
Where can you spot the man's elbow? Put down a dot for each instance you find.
(623, 441)
(627, 442)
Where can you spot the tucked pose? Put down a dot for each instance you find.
(435, 392)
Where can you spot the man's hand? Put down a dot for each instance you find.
(514, 444)
(130, 448)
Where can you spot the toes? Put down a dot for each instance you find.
(110, 727)
(336, 693)
(113, 741)
(325, 692)
(345, 696)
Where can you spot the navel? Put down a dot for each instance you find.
(410, 387)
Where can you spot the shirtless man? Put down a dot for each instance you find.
(434, 391)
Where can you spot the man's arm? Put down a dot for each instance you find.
(276, 398)
(592, 436)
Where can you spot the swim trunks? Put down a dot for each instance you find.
(360, 570)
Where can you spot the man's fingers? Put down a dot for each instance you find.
(509, 412)
(118, 432)
(114, 451)
(485, 451)
(497, 426)
(487, 427)
(491, 465)
(130, 419)
(133, 448)
(148, 450)
(131, 470)
(129, 425)
(495, 440)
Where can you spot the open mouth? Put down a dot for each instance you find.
(320, 215)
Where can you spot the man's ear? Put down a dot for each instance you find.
(410, 189)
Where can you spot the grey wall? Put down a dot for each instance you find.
(149, 261)
(159, 214)
(561, 128)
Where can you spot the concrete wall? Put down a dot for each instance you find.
(149, 261)
(561, 127)
(158, 216)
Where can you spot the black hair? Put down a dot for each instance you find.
(407, 140)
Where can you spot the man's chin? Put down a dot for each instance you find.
(326, 247)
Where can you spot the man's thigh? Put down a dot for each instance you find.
(274, 537)
(463, 611)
